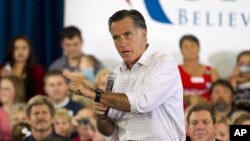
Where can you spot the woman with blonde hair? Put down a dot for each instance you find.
(11, 92)
(222, 129)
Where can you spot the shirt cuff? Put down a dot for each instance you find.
(132, 101)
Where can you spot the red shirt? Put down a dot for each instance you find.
(196, 85)
(5, 126)
(78, 139)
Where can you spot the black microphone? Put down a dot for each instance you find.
(111, 78)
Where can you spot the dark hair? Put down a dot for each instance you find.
(246, 52)
(224, 83)
(52, 73)
(20, 131)
(201, 107)
(30, 62)
(135, 15)
(70, 32)
(190, 38)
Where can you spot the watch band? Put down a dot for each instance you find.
(98, 94)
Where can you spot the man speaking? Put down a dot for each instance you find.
(146, 102)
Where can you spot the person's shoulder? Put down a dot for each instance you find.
(29, 138)
(1, 66)
(58, 63)
(75, 104)
(38, 67)
(162, 57)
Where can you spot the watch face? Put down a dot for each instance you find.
(99, 90)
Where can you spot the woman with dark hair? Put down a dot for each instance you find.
(196, 77)
(20, 62)
(240, 79)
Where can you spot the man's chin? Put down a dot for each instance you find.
(42, 128)
(200, 137)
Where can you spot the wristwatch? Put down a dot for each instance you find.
(98, 94)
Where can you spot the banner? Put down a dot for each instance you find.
(222, 26)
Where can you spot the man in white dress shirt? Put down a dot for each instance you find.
(147, 99)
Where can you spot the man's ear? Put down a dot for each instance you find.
(144, 33)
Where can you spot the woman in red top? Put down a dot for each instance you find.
(20, 62)
(11, 92)
(196, 77)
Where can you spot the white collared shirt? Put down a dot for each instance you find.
(154, 90)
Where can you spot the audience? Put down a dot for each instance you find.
(85, 123)
(101, 79)
(21, 131)
(237, 114)
(17, 114)
(87, 68)
(21, 80)
(40, 113)
(196, 77)
(72, 42)
(222, 98)
(222, 129)
(243, 120)
(240, 80)
(20, 62)
(11, 92)
(5, 127)
(57, 89)
(201, 123)
(62, 123)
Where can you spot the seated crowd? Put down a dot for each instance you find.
(36, 105)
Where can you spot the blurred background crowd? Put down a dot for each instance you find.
(23, 79)
(31, 77)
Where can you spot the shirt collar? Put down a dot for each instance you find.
(62, 104)
(143, 60)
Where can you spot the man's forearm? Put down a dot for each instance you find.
(105, 126)
(116, 101)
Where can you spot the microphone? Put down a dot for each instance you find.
(111, 78)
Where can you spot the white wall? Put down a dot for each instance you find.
(222, 26)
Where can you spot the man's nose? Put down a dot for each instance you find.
(200, 125)
(122, 42)
(41, 116)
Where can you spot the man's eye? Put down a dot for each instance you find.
(115, 37)
(194, 123)
(127, 34)
(206, 122)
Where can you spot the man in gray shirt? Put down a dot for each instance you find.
(72, 42)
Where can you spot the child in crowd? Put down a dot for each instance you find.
(222, 129)
(62, 123)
